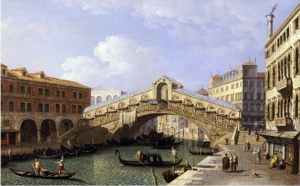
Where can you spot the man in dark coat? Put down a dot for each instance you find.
(225, 163)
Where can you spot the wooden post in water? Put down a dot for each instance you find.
(153, 175)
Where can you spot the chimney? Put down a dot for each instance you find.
(270, 23)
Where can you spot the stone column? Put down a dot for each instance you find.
(38, 136)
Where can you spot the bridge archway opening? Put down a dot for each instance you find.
(162, 91)
(64, 126)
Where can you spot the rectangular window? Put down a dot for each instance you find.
(22, 90)
(40, 107)
(47, 107)
(29, 106)
(296, 23)
(258, 96)
(63, 108)
(80, 109)
(63, 94)
(11, 88)
(73, 108)
(47, 92)
(57, 108)
(80, 95)
(22, 107)
(58, 93)
(11, 106)
(74, 95)
(29, 90)
(1, 87)
(41, 92)
(1, 105)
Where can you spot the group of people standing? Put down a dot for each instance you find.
(230, 162)
(37, 166)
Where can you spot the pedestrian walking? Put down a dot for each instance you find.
(258, 154)
(230, 163)
(245, 146)
(235, 161)
(225, 163)
(248, 146)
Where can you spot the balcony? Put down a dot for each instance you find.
(285, 86)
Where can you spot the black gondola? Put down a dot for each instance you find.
(166, 146)
(169, 175)
(46, 174)
(18, 157)
(86, 148)
(204, 151)
(149, 159)
(47, 154)
(4, 160)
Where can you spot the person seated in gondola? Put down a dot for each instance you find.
(139, 155)
(36, 166)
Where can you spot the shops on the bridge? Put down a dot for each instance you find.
(286, 145)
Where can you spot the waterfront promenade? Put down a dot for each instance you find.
(209, 171)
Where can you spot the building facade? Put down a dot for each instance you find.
(36, 108)
(244, 87)
(101, 94)
(282, 85)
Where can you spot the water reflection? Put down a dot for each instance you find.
(101, 168)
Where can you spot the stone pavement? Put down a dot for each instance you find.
(209, 171)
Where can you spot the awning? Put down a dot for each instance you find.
(280, 137)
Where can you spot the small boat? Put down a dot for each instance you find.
(169, 175)
(87, 148)
(18, 157)
(44, 174)
(203, 144)
(70, 151)
(4, 160)
(47, 154)
(204, 151)
(166, 146)
(149, 159)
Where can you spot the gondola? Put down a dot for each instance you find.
(46, 174)
(4, 160)
(166, 146)
(169, 176)
(88, 149)
(48, 154)
(204, 151)
(18, 157)
(149, 159)
(70, 151)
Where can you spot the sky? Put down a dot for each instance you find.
(128, 44)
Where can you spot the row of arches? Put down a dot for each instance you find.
(30, 131)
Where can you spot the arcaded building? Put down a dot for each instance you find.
(244, 87)
(36, 108)
(282, 85)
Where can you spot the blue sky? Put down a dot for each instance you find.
(128, 44)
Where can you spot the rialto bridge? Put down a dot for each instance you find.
(124, 115)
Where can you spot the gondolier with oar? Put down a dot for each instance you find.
(61, 164)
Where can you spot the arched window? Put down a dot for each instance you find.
(99, 99)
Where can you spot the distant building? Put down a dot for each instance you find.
(102, 93)
(36, 108)
(282, 84)
(245, 88)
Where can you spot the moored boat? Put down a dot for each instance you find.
(169, 175)
(44, 174)
(149, 159)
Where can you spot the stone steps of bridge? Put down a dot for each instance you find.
(245, 137)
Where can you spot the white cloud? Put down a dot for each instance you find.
(118, 58)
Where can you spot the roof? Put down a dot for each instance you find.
(13, 74)
(249, 63)
(209, 99)
(104, 88)
(202, 91)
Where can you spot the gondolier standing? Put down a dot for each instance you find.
(174, 155)
(36, 166)
(61, 165)
(139, 155)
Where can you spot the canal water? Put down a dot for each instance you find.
(103, 167)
